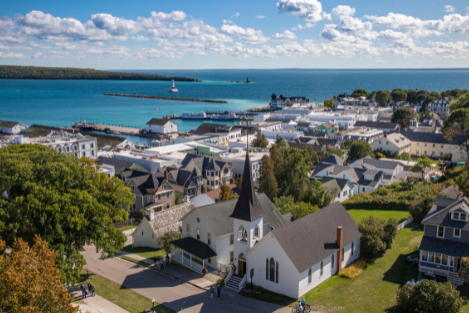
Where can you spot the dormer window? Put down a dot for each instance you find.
(459, 216)
(455, 216)
(463, 216)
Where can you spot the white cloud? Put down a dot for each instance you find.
(326, 17)
(261, 16)
(235, 15)
(309, 10)
(191, 30)
(306, 26)
(286, 35)
(449, 8)
(116, 25)
(139, 38)
(249, 35)
(70, 46)
(4, 55)
(343, 10)
(228, 22)
(159, 18)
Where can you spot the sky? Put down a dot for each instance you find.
(231, 34)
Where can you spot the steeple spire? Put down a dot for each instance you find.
(248, 207)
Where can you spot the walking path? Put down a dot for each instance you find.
(169, 292)
(95, 304)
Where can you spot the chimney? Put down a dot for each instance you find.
(166, 175)
(398, 130)
(385, 134)
(150, 214)
(340, 237)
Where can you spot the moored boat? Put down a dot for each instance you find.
(195, 116)
(225, 117)
(173, 88)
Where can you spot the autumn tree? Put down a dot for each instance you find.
(260, 141)
(239, 181)
(165, 240)
(267, 182)
(63, 200)
(226, 193)
(30, 280)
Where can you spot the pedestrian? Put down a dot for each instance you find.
(303, 302)
(84, 291)
(218, 291)
(162, 263)
(168, 260)
(212, 291)
(154, 259)
(89, 287)
(205, 270)
(92, 290)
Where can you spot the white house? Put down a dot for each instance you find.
(392, 171)
(156, 224)
(343, 188)
(162, 126)
(289, 258)
(11, 128)
(394, 142)
(294, 259)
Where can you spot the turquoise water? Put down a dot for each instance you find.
(55, 103)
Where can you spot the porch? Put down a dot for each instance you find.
(193, 254)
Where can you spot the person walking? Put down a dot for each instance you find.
(303, 302)
(168, 260)
(162, 263)
(218, 291)
(154, 259)
(92, 291)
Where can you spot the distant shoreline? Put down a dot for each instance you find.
(306, 69)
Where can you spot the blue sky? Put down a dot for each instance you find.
(235, 34)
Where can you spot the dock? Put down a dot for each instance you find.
(116, 129)
(165, 98)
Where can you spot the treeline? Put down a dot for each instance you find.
(34, 72)
(410, 95)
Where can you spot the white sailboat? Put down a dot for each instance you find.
(173, 88)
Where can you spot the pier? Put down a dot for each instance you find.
(165, 98)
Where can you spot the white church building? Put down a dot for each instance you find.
(266, 247)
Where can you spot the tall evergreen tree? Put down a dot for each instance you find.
(226, 193)
(267, 181)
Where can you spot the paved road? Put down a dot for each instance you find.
(173, 294)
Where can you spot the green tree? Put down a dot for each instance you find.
(281, 143)
(226, 193)
(298, 210)
(424, 166)
(456, 129)
(267, 181)
(30, 280)
(328, 103)
(420, 208)
(360, 93)
(239, 181)
(398, 95)
(260, 141)
(435, 94)
(382, 97)
(412, 95)
(377, 235)
(461, 103)
(424, 114)
(405, 156)
(292, 175)
(428, 296)
(63, 200)
(178, 198)
(360, 149)
(314, 156)
(421, 95)
(428, 99)
(165, 240)
(403, 116)
(319, 196)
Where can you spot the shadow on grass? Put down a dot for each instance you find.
(415, 226)
(401, 271)
(262, 294)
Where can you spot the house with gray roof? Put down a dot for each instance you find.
(161, 126)
(151, 190)
(446, 238)
(285, 257)
(393, 171)
(11, 128)
(197, 171)
(333, 160)
(112, 166)
(341, 188)
(363, 180)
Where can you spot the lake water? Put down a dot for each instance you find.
(53, 103)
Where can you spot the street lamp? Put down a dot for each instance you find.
(153, 303)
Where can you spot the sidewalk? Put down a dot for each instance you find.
(180, 273)
(94, 304)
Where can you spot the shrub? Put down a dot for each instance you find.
(377, 235)
(354, 269)
(419, 208)
(428, 296)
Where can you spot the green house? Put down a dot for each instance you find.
(327, 128)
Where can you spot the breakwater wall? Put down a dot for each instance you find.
(165, 98)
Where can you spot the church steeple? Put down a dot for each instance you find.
(248, 207)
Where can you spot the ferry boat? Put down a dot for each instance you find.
(195, 116)
(225, 117)
(173, 88)
(82, 126)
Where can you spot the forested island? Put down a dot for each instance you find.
(35, 72)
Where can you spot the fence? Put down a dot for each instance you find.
(405, 223)
(130, 221)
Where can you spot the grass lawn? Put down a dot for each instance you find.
(145, 252)
(127, 227)
(121, 296)
(358, 214)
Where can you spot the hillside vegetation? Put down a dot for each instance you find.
(34, 72)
